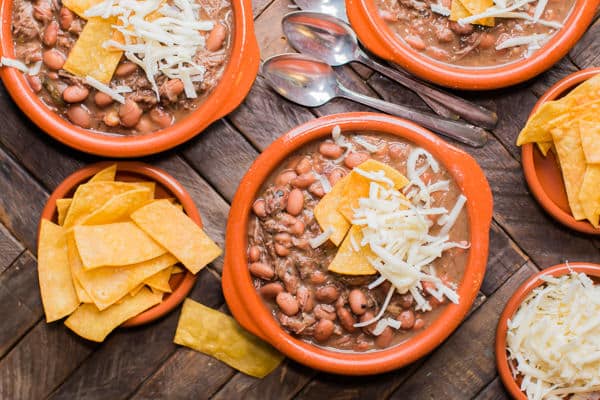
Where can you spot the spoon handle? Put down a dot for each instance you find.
(457, 130)
(469, 111)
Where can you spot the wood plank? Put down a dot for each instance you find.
(21, 202)
(20, 304)
(560, 70)
(128, 356)
(10, 248)
(515, 210)
(586, 53)
(268, 29)
(493, 391)
(264, 115)
(222, 156)
(466, 362)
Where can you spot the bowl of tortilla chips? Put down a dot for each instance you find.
(561, 151)
(118, 245)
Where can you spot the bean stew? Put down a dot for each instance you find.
(514, 32)
(149, 90)
(322, 307)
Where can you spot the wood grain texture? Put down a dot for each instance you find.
(586, 53)
(493, 391)
(268, 29)
(452, 371)
(10, 248)
(20, 304)
(21, 202)
(129, 356)
(222, 156)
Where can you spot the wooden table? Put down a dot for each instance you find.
(39, 360)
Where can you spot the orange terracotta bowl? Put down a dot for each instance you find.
(233, 87)
(511, 307)
(166, 186)
(381, 40)
(248, 307)
(543, 173)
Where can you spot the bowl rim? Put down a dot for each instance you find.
(159, 176)
(527, 160)
(249, 309)
(377, 37)
(513, 304)
(234, 85)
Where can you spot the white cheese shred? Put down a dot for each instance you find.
(440, 9)
(101, 87)
(553, 340)
(319, 240)
(11, 62)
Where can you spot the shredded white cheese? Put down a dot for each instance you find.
(370, 147)
(166, 45)
(101, 87)
(11, 62)
(553, 339)
(536, 39)
(440, 9)
(320, 239)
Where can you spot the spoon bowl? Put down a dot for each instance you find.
(336, 8)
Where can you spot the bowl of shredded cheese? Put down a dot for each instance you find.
(548, 336)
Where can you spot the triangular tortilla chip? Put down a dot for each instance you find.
(327, 214)
(589, 194)
(590, 141)
(348, 260)
(107, 174)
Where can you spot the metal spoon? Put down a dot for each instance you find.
(312, 83)
(330, 40)
(336, 8)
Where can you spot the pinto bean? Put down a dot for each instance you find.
(259, 208)
(419, 324)
(367, 317)
(354, 159)
(102, 99)
(53, 59)
(407, 319)
(327, 294)
(316, 189)
(281, 250)
(317, 277)
(487, 41)
(336, 175)
(358, 301)
(111, 118)
(79, 116)
(295, 202)
(346, 319)
(298, 228)
(325, 311)
(125, 69)
(130, 113)
(261, 270)
(161, 117)
(171, 89)
(254, 253)
(285, 177)
(385, 338)
(330, 150)
(304, 166)
(50, 34)
(398, 151)
(306, 298)
(284, 239)
(42, 11)
(415, 41)
(287, 303)
(144, 125)
(323, 330)
(216, 37)
(75, 94)
(291, 282)
(34, 82)
(459, 29)
(303, 181)
(271, 290)
(65, 18)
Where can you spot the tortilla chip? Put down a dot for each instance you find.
(174, 230)
(348, 261)
(118, 208)
(465, 8)
(176, 270)
(107, 174)
(79, 7)
(83, 296)
(572, 160)
(117, 244)
(544, 147)
(91, 196)
(56, 285)
(107, 285)
(88, 57)
(358, 185)
(589, 194)
(220, 336)
(160, 280)
(327, 214)
(590, 141)
(137, 289)
(157, 291)
(92, 324)
(62, 207)
(536, 128)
